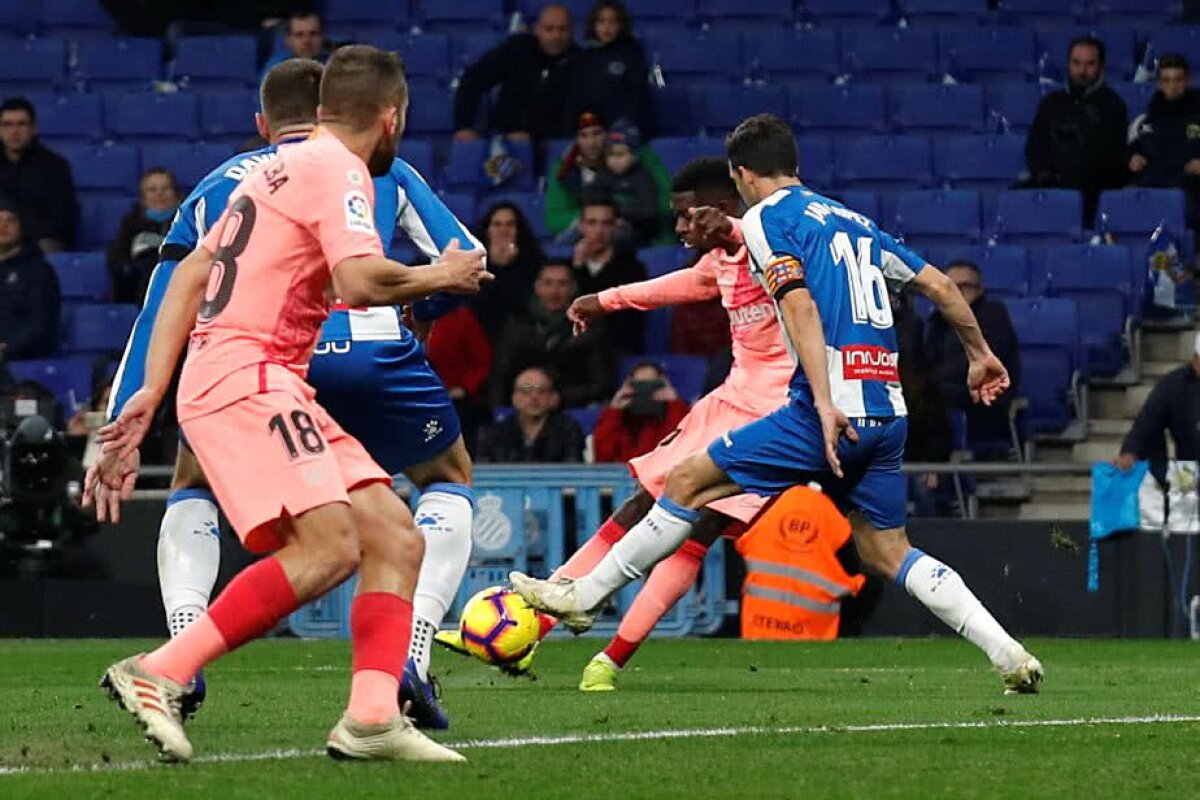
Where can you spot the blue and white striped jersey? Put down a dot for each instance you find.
(798, 236)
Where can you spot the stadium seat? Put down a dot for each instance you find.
(467, 167)
(725, 105)
(100, 218)
(885, 160)
(1004, 267)
(934, 108)
(890, 53)
(1120, 43)
(1136, 12)
(586, 417)
(75, 117)
(69, 378)
(935, 12)
(656, 338)
(1136, 95)
(420, 156)
(1012, 105)
(675, 151)
(1097, 278)
(99, 327)
(808, 54)
(987, 53)
(428, 111)
(838, 109)
(1040, 12)
(228, 114)
(188, 162)
(462, 15)
(978, 162)
(531, 205)
(33, 64)
(837, 13)
(467, 48)
(118, 62)
(674, 11)
(864, 201)
(385, 13)
(82, 276)
(1133, 214)
(938, 216)
(18, 19)
(686, 373)
(1183, 39)
(816, 160)
(74, 19)
(425, 56)
(1048, 332)
(209, 62)
(109, 168)
(1039, 216)
(677, 110)
(777, 12)
(712, 53)
(661, 259)
(151, 116)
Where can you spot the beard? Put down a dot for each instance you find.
(384, 154)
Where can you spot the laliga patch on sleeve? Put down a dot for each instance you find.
(358, 213)
(781, 271)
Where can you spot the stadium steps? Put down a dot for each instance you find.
(1058, 510)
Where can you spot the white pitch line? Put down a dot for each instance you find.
(639, 736)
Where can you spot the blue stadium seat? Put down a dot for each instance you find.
(977, 162)
(686, 373)
(82, 276)
(1136, 12)
(816, 160)
(531, 204)
(428, 111)
(1039, 216)
(189, 162)
(69, 378)
(586, 417)
(931, 107)
(839, 13)
(462, 15)
(725, 105)
(864, 201)
(118, 62)
(467, 48)
(1041, 12)
(1133, 214)
(74, 116)
(1013, 104)
(656, 338)
(420, 156)
(986, 53)
(462, 205)
(938, 216)
(467, 168)
(1097, 278)
(152, 117)
(109, 168)
(677, 110)
(1004, 267)
(675, 151)
(661, 259)
(1049, 343)
(425, 56)
(228, 114)
(74, 19)
(713, 53)
(885, 160)
(99, 327)
(808, 54)
(676, 11)
(33, 64)
(763, 12)
(18, 19)
(853, 107)
(1120, 43)
(389, 13)
(1136, 95)
(1183, 39)
(217, 61)
(949, 12)
(100, 218)
(890, 53)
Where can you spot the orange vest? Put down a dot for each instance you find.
(794, 582)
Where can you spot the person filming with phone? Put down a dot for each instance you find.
(643, 412)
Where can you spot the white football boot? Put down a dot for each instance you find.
(394, 740)
(155, 703)
(557, 597)
(1025, 678)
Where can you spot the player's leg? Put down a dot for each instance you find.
(189, 550)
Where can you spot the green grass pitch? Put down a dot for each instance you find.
(723, 719)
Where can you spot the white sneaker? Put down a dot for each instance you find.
(558, 597)
(394, 740)
(154, 702)
(1025, 678)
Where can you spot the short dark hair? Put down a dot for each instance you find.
(964, 263)
(557, 265)
(19, 104)
(703, 175)
(161, 171)
(1171, 61)
(1089, 41)
(595, 197)
(359, 82)
(304, 14)
(624, 23)
(763, 144)
(542, 368)
(290, 92)
(648, 363)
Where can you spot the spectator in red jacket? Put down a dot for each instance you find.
(643, 411)
(460, 353)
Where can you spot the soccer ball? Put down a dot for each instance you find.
(498, 627)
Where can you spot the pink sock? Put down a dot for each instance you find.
(380, 629)
(585, 558)
(668, 582)
(252, 604)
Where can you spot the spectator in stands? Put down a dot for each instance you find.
(600, 264)
(948, 361)
(90, 417)
(537, 431)
(461, 355)
(1173, 406)
(29, 293)
(303, 37)
(576, 171)
(930, 437)
(1078, 137)
(37, 179)
(643, 411)
(631, 186)
(583, 364)
(514, 256)
(533, 73)
(1165, 150)
(610, 73)
(133, 254)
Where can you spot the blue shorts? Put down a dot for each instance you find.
(786, 448)
(385, 394)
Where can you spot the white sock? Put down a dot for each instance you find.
(943, 592)
(444, 515)
(189, 554)
(664, 528)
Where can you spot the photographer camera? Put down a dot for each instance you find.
(642, 413)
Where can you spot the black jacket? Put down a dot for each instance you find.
(560, 441)
(533, 89)
(614, 80)
(1173, 406)
(636, 195)
(41, 185)
(583, 365)
(29, 305)
(948, 360)
(133, 254)
(1078, 140)
(627, 328)
(1168, 136)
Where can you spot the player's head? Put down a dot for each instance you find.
(761, 151)
(364, 93)
(288, 98)
(554, 287)
(702, 182)
(534, 394)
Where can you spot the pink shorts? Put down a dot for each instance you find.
(275, 455)
(709, 419)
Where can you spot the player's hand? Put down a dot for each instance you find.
(109, 480)
(125, 434)
(987, 379)
(584, 310)
(835, 425)
(464, 269)
(709, 223)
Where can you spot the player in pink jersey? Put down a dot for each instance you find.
(297, 230)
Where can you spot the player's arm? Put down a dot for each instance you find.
(375, 280)
(690, 285)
